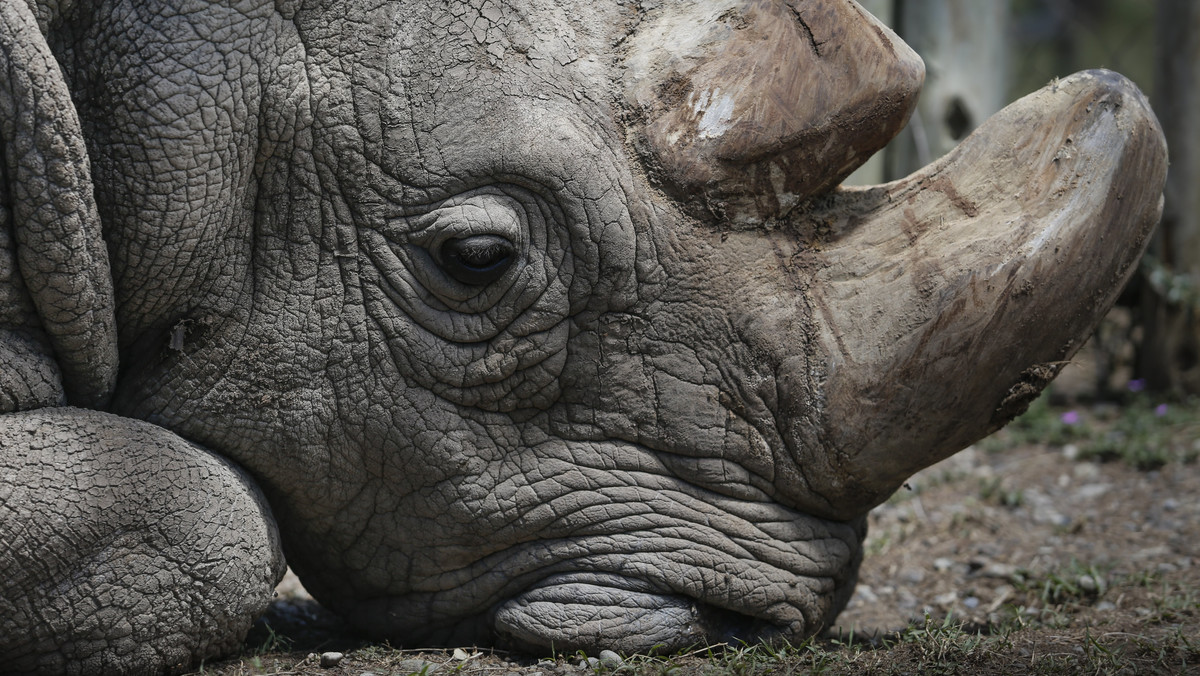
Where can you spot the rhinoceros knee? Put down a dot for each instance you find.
(126, 548)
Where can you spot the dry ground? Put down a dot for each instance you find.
(1068, 543)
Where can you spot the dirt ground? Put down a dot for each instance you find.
(1010, 557)
(1061, 552)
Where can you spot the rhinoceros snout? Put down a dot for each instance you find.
(931, 309)
(948, 300)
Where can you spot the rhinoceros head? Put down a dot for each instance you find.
(545, 322)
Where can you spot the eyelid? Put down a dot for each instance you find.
(480, 214)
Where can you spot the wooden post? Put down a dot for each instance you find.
(965, 47)
(1170, 359)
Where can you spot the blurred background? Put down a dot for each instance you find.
(982, 54)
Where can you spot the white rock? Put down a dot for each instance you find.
(416, 666)
(867, 594)
(610, 659)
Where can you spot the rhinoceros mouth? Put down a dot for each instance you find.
(594, 612)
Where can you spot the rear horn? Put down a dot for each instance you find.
(748, 107)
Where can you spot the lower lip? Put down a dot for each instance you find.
(579, 615)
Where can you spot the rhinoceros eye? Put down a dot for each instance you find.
(476, 260)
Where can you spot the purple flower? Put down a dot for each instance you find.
(1070, 418)
(1161, 410)
(1137, 385)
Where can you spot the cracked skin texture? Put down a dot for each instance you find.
(660, 421)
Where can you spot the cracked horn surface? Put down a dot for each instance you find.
(749, 107)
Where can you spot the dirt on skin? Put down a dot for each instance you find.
(1043, 563)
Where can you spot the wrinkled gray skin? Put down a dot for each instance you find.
(620, 443)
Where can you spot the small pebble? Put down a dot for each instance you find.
(331, 660)
(1092, 491)
(1088, 583)
(547, 664)
(1152, 553)
(867, 594)
(417, 667)
(946, 600)
(998, 570)
(589, 663)
(943, 564)
(971, 602)
(1104, 606)
(610, 659)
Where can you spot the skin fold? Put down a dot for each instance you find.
(514, 354)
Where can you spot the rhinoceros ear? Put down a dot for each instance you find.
(51, 214)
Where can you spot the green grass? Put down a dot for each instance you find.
(994, 491)
(1147, 435)
(1074, 583)
(1143, 432)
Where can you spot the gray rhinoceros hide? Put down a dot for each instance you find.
(536, 323)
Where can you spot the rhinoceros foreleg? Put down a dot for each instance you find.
(125, 549)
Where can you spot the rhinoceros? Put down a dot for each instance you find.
(515, 322)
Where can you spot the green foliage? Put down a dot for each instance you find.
(1143, 433)
(1147, 435)
(1175, 288)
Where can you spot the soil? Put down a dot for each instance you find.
(1042, 562)
(1074, 551)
